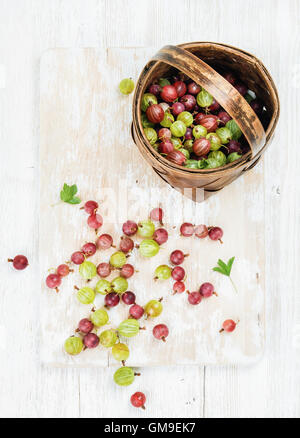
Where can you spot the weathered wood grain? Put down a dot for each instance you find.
(85, 138)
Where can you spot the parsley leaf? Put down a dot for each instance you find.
(225, 269)
(68, 193)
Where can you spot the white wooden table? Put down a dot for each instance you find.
(267, 28)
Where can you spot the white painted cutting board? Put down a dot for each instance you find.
(85, 139)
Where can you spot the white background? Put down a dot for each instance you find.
(269, 29)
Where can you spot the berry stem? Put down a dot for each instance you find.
(137, 374)
(10, 260)
(222, 330)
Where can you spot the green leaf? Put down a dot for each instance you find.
(229, 264)
(224, 268)
(74, 200)
(219, 270)
(68, 193)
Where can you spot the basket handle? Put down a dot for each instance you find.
(227, 96)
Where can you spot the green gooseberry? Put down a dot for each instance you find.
(199, 131)
(156, 146)
(117, 259)
(224, 134)
(248, 97)
(215, 141)
(186, 117)
(146, 228)
(162, 82)
(167, 120)
(99, 317)
(232, 157)
(219, 156)
(119, 285)
(153, 308)
(177, 143)
(87, 270)
(108, 338)
(209, 163)
(185, 152)
(204, 99)
(120, 352)
(162, 272)
(129, 328)
(234, 128)
(148, 248)
(86, 295)
(191, 164)
(73, 345)
(178, 129)
(148, 99)
(124, 376)
(126, 86)
(103, 287)
(151, 135)
(145, 122)
(188, 144)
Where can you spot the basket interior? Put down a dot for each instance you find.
(247, 68)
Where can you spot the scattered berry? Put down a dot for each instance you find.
(85, 325)
(112, 299)
(178, 287)
(136, 311)
(228, 326)
(153, 308)
(194, 298)
(103, 270)
(105, 241)
(53, 281)
(63, 270)
(89, 249)
(160, 236)
(216, 233)
(91, 340)
(177, 257)
(95, 221)
(77, 258)
(73, 345)
(129, 228)
(187, 229)
(126, 244)
(162, 272)
(127, 271)
(178, 273)
(90, 207)
(201, 231)
(19, 262)
(128, 298)
(157, 215)
(206, 290)
(138, 400)
(160, 331)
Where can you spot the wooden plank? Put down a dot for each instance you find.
(84, 142)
